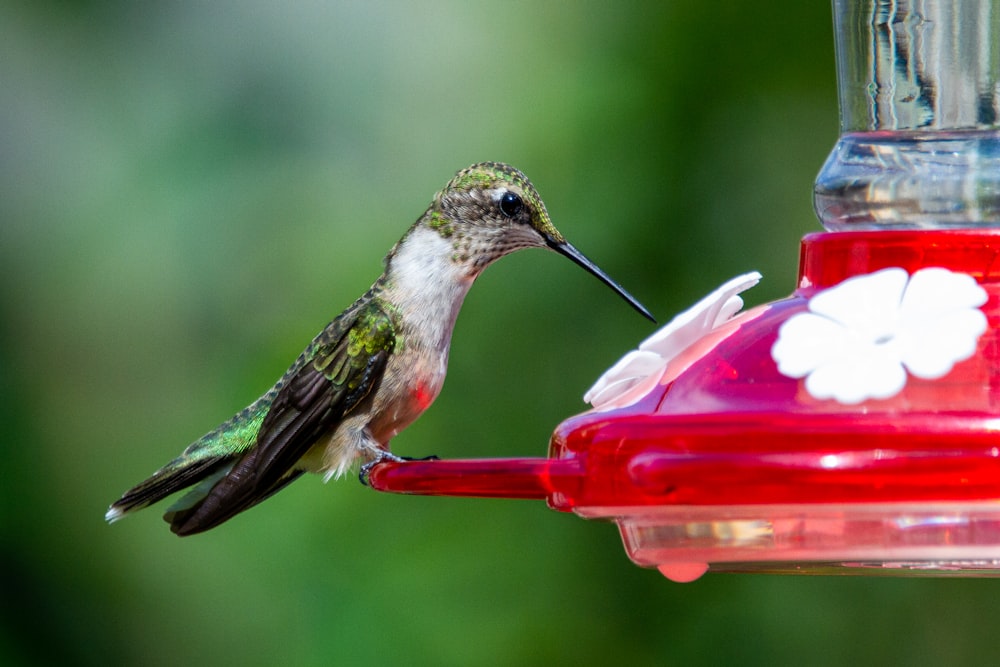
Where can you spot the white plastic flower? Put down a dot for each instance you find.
(637, 372)
(862, 337)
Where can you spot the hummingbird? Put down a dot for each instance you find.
(373, 370)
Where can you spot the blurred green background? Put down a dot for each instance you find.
(190, 190)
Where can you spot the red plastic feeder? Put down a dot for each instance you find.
(854, 426)
(733, 465)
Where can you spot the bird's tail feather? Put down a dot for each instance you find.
(201, 465)
(200, 509)
(179, 474)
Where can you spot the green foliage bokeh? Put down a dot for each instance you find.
(190, 190)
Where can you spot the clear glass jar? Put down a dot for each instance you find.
(919, 91)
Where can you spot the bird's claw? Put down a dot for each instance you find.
(384, 456)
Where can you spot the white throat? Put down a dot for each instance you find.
(428, 286)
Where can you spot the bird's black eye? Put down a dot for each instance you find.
(510, 204)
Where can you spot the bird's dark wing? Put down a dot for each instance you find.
(336, 372)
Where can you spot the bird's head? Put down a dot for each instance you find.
(491, 209)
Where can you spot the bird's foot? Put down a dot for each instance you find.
(383, 456)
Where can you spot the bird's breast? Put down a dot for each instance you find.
(412, 381)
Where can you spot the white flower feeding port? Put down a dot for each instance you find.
(860, 339)
(635, 375)
(853, 427)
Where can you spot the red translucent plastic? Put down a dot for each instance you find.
(527, 479)
(733, 466)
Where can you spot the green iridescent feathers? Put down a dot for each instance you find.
(254, 454)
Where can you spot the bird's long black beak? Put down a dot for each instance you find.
(564, 248)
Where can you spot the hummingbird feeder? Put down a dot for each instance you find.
(853, 427)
